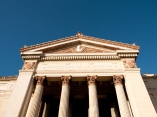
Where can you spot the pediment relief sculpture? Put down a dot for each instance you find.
(80, 49)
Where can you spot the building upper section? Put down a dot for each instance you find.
(74, 46)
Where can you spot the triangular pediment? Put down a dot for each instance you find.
(79, 49)
(79, 44)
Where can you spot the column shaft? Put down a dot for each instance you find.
(34, 107)
(93, 101)
(64, 100)
(122, 102)
(114, 110)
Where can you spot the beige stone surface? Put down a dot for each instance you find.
(93, 101)
(16, 101)
(140, 101)
(35, 104)
(122, 102)
(64, 101)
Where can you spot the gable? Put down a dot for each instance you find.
(79, 44)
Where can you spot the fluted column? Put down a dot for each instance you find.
(64, 100)
(93, 101)
(122, 102)
(33, 111)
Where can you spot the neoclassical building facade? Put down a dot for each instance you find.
(79, 76)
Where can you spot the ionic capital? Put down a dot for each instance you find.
(91, 79)
(65, 80)
(40, 80)
(118, 79)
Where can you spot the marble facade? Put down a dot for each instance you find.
(79, 76)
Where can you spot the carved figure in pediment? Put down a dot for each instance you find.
(28, 66)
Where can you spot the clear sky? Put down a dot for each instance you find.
(29, 22)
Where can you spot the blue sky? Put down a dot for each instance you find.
(29, 22)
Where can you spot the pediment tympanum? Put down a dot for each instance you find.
(79, 49)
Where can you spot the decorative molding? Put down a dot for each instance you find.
(65, 80)
(127, 55)
(60, 58)
(28, 66)
(91, 79)
(129, 64)
(40, 80)
(77, 37)
(118, 79)
(30, 57)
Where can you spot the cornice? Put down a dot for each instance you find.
(82, 37)
(96, 57)
(87, 56)
(131, 55)
(31, 57)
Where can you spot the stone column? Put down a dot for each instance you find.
(93, 101)
(64, 100)
(122, 102)
(47, 109)
(114, 110)
(33, 111)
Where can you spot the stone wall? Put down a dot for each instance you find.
(6, 87)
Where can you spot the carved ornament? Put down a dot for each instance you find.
(40, 80)
(65, 80)
(28, 66)
(80, 49)
(118, 79)
(91, 79)
(129, 64)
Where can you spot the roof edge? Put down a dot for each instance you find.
(27, 48)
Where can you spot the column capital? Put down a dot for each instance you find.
(65, 79)
(91, 79)
(118, 79)
(40, 80)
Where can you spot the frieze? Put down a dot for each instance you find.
(72, 66)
